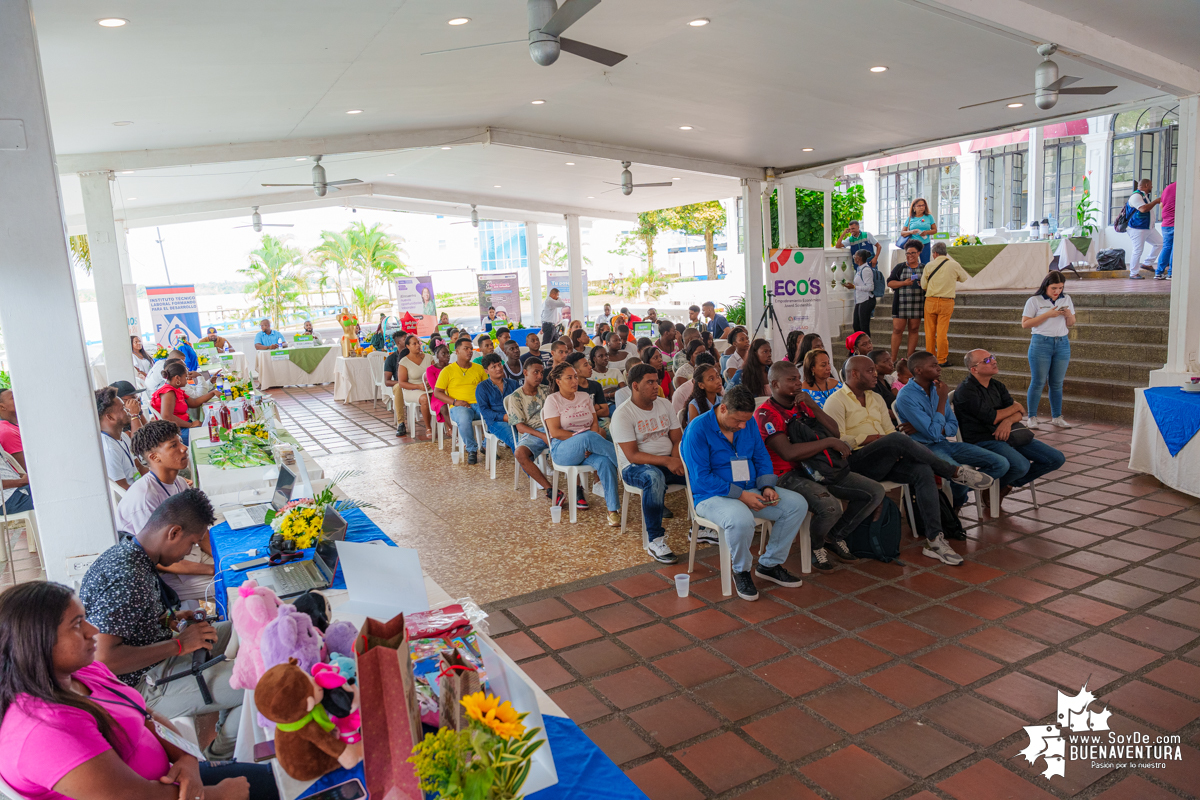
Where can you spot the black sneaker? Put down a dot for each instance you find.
(668, 513)
(777, 574)
(744, 585)
(841, 550)
(472, 457)
(820, 560)
(401, 430)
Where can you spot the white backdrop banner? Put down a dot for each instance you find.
(794, 281)
(174, 314)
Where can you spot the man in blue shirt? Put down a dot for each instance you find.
(489, 397)
(733, 482)
(717, 325)
(928, 418)
(267, 339)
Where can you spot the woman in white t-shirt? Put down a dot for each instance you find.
(575, 439)
(1050, 313)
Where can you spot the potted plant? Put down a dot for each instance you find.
(1086, 210)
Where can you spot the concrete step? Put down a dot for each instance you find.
(1017, 300)
(1080, 333)
(1154, 355)
(1149, 317)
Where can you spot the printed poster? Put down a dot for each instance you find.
(561, 280)
(502, 290)
(794, 282)
(415, 295)
(174, 314)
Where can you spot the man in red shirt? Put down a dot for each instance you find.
(824, 492)
(1162, 270)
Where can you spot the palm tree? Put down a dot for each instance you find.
(653, 280)
(365, 303)
(375, 253)
(276, 279)
(81, 253)
(555, 255)
(338, 250)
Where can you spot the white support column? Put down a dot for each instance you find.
(1098, 160)
(53, 396)
(1034, 162)
(130, 288)
(106, 271)
(789, 231)
(968, 193)
(752, 236)
(1183, 339)
(870, 212)
(768, 242)
(575, 265)
(533, 254)
(827, 223)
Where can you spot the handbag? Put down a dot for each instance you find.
(827, 466)
(903, 240)
(1020, 436)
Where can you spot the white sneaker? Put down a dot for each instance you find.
(940, 549)
(972, 478)
(1031, 423)
(1059, 422)
(707, 536)
(660, 551)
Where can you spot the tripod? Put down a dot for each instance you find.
(767, 317)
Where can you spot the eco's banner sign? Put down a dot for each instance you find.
(174, 314)
(794, 282)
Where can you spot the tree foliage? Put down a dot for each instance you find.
(699, 219)
(556, 255)
(653, 281)
(81, 253)
(847, 205)
(276, 279)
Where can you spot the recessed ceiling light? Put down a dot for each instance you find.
(538, 102)
(699, 23)
(1015, 105)
(112, 22)
(447, 148)
(496, 186)
(459, 21)
(685, 127)
(878, 69)
(806, 149)
(570, 163)
(131, 198)
(354, 111)
(391, 175)
(125, 172)
(591, 197)
(302, 159)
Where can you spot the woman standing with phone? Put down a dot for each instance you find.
(1050, 313)
(919, 226)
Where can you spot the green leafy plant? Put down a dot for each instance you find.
(700, 219)
(276, 279)
(5, 380)
(555, 255)
(1086, 210)
(735, 311)
(846, 206)
(81, 252)
(652, 280)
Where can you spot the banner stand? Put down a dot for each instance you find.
(794, 282)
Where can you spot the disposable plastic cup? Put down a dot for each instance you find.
(455, 457)
(683, 582)
(556, 514)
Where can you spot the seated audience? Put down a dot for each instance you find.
(558, 354)
(439, 410)
(991, 419)
(10, 432)
(512, 360)
(616, 351)
(810, 341)
(489, 397)
(172, 401)
(683, 388)
(142, 362)
(580, 343)
(402, 372)
(884, 367)
(623, 394)
(883, 454)
(647, 434)
(739, 342)
(652, 356)
(819, 382)
(455, 387)
(485, 346)
(267, 339)
(190, 359)
(575, 438)
(155, 378)
(732, 483)
(130, 396)
(308, 331)
(121, 596)
(583, 369)
(70, 729)
(503, 335)
(524, 408)
(119, 463)
(903, 374)
(791, 346)
(16, 492)
(600, 338)
(667, 342)
(630, 343)
(533, 344)
(859, 343)
(753, 374)
(609, 377)
(927, 417)
(684, 363)
(830, 524)
(707, 391)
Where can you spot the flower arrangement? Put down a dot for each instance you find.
(489, 760)
(255, 429)
(299, 521)
(966, 239)
(160, 353)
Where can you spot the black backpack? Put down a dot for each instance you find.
(1121, 224)
(829, 466)
(879, 538)
(950, 524)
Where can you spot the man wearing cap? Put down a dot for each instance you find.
(221, 342)
(130, 397)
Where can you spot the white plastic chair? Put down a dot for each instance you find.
(945, 487)
(29, 518)
(572, 474)
(381, 389)
(441, 428)
(491, 443)
(456, 439)
(635, 491)
(518, 471)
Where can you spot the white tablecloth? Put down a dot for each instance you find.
(215, 481)
(1069, 254)
(282, 372)
(1020, 265)
(353, 378)
(1148, 452)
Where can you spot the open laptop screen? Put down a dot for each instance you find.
(283, 488)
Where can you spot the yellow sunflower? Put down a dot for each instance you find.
(501, 718)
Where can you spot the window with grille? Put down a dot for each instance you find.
(1064, 165)
(1002, 186)
(1145, 145)
(936, 180)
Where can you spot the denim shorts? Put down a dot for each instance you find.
(534, 444)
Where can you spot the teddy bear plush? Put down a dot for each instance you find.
(307, 743)
(291, 635)
(256, 607)
(340, 637)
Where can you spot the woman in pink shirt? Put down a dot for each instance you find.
(70, 729)
(575, 439)
(441, 357)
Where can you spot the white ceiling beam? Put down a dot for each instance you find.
(510, 204)
(145, 216)
(279, 148)
(1028, 23)
(463, 210)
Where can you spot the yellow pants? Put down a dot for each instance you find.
(937, 326)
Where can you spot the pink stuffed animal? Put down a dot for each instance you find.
(254, 609)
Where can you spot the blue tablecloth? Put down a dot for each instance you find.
(230, 547)
(1177, 414)
(583, 770)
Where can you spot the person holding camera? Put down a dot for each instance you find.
(142, 639)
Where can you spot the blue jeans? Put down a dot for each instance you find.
(1164, 256)
(653, 481)
(464, 417)
(1026, 463)
(993, 464)
(738, 521)
(602, 458)
(20, 500)
(1049, 357)
(502, 431)
(926, 252)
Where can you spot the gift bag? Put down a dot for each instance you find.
(391, 724)
(457, 678)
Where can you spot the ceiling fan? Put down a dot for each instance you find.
(319, 184)
(627, 185)
(257, 223)
(1047, 83)
(546, 24)
(474, 220)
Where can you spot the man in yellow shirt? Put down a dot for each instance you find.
(939, 280)
(456, 388)
(881, 453)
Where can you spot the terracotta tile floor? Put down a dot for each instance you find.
(322, 425)
(910, 680)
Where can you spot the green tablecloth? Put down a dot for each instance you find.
(307, 358)
(975, 257)
(1082, 243)
(202, 456)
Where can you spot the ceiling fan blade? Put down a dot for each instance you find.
(287, 184)
(272, 225)
(568, 15)
(610, 183)
(343, 183)
(1065, 80)
(1088, 90)
(642, 185)
(243, 226)
(589, 51)
(998, 100)
(471, 47)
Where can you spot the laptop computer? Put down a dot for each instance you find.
(298, 577)
(249, 516)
